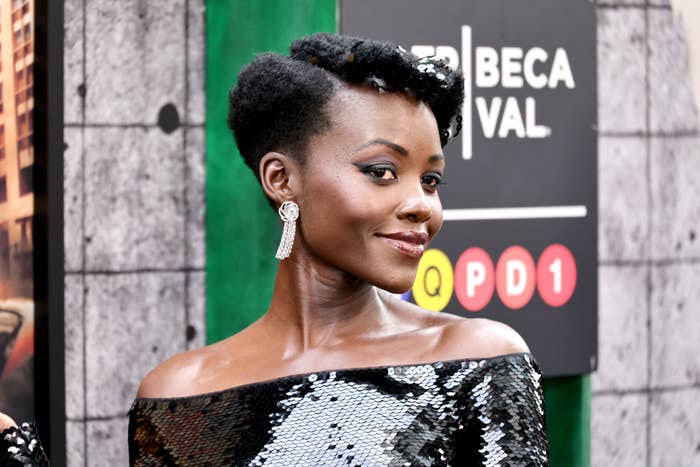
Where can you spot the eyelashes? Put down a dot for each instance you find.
(385, 173)
(433, 180)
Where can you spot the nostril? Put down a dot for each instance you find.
(415, 209)
(413, 217)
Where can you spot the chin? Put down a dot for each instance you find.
(397, 290)
(397, 285)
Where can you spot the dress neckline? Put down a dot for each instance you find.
(526, 355)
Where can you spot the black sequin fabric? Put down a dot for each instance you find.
(20, 447)
(460, 412)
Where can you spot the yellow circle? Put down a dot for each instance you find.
(434, 282)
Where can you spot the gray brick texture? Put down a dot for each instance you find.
(644, 408)
(134, 172)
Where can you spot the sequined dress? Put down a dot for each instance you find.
(459, 412)
(20, 447)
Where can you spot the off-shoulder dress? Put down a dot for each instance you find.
(459, 412)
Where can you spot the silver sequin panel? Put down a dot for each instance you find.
(462, 412)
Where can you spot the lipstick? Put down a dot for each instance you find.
(410, 242)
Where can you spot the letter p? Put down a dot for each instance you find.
(476, 276)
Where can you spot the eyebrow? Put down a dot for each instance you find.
(397, 148)
(385, 142)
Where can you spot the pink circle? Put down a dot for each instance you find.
(474, 279)
(515, 277)
(556, 275)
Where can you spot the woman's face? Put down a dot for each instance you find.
(368, 197)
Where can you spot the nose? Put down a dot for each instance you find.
(415, 206)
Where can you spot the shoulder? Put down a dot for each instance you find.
(6, 421)
(480, 338)
(460, 337)
(177, 376)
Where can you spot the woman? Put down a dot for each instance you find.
(345, 136)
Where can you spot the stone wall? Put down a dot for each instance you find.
(645, 393)
(134, 228)
(134, 207)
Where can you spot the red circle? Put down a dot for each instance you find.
(474, 279)
(515, 277)
(556, 275)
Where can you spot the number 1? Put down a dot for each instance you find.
(555, 269)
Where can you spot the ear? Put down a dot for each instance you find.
(278, 172)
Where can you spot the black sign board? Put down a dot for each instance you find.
(519, 242)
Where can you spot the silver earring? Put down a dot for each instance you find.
(289, 213)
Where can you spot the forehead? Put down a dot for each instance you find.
(360, 113)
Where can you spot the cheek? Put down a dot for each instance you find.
(338, 210)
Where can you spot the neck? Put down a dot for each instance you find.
(315, 305)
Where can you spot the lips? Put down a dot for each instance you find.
(410, 243)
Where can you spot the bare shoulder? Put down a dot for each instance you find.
(460, 337)
(6, 421)
(480, 338)
(177, 376)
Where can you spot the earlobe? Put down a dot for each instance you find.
(276, 170)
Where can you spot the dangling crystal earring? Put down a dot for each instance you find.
(289, 213)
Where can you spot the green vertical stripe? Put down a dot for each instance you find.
(568, 409)
(242, 231)
(241, 228)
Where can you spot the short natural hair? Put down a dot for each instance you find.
(280, 101)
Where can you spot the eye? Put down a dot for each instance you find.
(432, 180)
(383, 172)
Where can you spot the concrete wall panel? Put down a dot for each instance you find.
(75, 443)
(622, 329)
(134, 208)
(74, 346)
(73, 198)
(675, 428)
(196, 296)
(672, 108)
(675, 188)
(137, 183)
(621, 87)
(195, 193)
(134, 59)
(73, 61)
(676, 332)
(618, 426)
(107, 441)
(623, 200)
(134, 321)
(195, 58)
